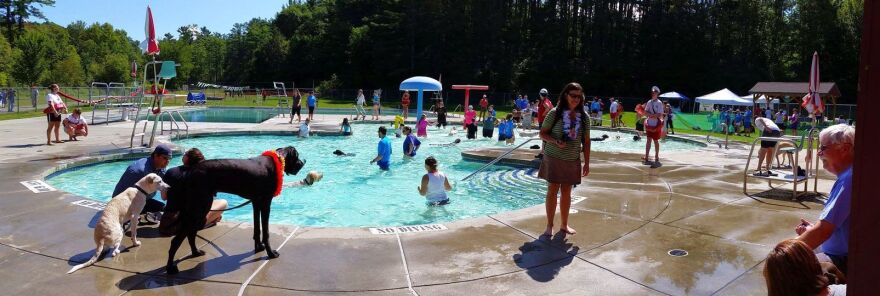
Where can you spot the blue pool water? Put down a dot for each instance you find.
(231, 115)
(354, 193)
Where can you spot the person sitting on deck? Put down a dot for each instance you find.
(831, 232)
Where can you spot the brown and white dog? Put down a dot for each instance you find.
(126, 206)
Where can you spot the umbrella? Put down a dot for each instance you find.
(150, 45)
(812, 101)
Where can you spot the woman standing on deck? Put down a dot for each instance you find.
(565, 132)
(296, 107)
(53, 113)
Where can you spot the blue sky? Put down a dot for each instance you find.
(128, 15)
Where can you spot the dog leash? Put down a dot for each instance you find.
(232, 208)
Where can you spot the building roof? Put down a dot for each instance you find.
(794, 89)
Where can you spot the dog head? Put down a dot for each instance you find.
(292, 162)
(152, 183)
(314, 176)
(338, 152)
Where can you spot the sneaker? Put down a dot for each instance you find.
(772, 174)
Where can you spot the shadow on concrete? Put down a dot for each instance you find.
(541, 257)
(782, 197)
(24, 145)
(220, 265)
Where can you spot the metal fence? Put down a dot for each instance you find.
(390, 97)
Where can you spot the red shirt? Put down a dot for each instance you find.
(405, 100)
(484, 103)
(543, 108)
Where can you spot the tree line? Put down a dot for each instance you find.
(617, 48)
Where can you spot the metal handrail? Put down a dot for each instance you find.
(726, 136)
(174, 121)
(794, 168)
(455, 110)
(497, 159)
(814, 165)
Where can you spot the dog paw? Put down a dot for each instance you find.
(136, 243)
(272, 254)
(171, 269)
(198, 253)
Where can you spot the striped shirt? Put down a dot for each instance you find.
(572, 148)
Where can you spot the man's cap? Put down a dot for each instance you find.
(162, 149)
(543, 91)
(655, 89)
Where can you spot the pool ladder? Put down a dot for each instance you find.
(174, 124)
(497, 159)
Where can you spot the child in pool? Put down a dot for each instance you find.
(434, 184)
(397, 124)
(422, 127)
(345, 127)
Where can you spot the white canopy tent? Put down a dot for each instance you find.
(723, 97)
(761, 100)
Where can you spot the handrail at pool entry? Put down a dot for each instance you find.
(455, 110)
(497, 159)
(174, 122)
(795, 179)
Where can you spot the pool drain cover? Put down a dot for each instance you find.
(677, 253)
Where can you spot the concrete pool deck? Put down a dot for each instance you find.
(628, 217)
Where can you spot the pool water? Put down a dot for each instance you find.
(354, 193)
(229, 115)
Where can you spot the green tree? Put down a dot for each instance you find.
(8, 56)
(33, 57)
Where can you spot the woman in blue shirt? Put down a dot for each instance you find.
(411, 144)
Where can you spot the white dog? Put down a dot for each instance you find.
(125, 206)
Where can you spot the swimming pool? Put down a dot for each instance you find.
(228, 115)
(354, 193)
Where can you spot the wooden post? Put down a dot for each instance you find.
(863, 240)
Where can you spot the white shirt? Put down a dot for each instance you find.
(360, 99)
(762, 122)
(53, 99)
(436, 187)
(653, 107)
(74, 120)
(304, 130)
(613, 107)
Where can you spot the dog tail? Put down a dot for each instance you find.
(91, 261)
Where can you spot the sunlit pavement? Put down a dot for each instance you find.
(628, 217)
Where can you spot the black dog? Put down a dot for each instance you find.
(254, 179)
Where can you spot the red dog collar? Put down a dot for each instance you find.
(279, 169)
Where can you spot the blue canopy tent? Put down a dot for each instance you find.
(420, 84)
(674, 95)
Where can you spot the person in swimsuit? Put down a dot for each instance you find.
(434, 184)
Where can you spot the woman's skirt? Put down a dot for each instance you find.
(560, 171)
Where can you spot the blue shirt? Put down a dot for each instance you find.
(506, 128)
(312, 100)
(837, 212)
(595, 106)
(384, 149)
(738, 118)
(521, 104)
(411, 141)
(135, 172)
